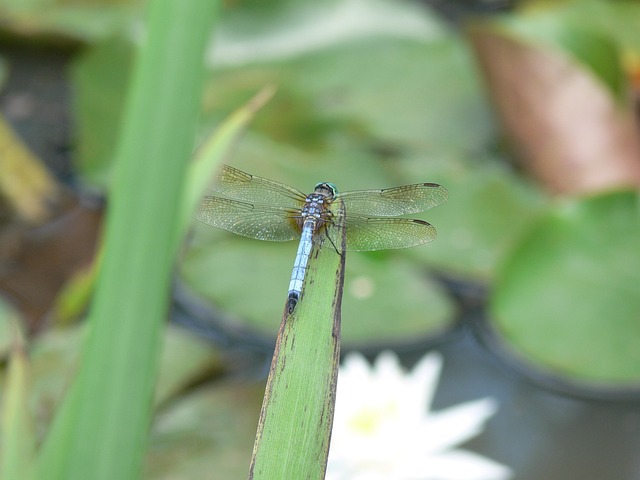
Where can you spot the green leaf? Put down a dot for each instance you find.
(297, 412)
(567, 298)
(110, 402)
(27, 186)
(71, 303)
(17, 433)
(7, 329)
(212, 151)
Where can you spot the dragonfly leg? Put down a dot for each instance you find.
(330, 231)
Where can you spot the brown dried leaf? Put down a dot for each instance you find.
(566, 125)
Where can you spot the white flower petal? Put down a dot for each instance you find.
(425, 376)
(420, 384)
(387, 368)
(355, 366)
(458, 424)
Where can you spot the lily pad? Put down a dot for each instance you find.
(488, 209)
(206, 435)
(567, 299)
(386, 299)
(185, 359)
(370, 94)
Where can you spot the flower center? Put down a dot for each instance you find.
(367, 420)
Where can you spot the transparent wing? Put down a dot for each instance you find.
(233, 183)
(262, 222)
(390, 202)
(380, 233)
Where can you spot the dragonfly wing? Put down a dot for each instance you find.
(391, 202)
(262, 222)
(236, 184)
(381, 233)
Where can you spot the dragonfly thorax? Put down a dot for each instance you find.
(316, 205)
(316, 208)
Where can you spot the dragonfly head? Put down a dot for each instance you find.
(327, 189)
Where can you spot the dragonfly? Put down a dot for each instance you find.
(264, 209)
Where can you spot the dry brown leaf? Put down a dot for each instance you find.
(567, 127)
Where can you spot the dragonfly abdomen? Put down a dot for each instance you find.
(301, 262)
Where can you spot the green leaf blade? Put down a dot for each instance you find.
(111, 400)
(17, 433)
(297, 412)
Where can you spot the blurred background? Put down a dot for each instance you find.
(527, 112)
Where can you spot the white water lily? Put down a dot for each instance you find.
(384, 430)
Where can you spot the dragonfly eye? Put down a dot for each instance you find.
(330, 189)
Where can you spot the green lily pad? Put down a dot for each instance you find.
(185, 359)
(18, 436)
(567, 299)
(386, 298)
(488, 209)
(378, 93)
(389, 298)
(254, 31)
(206, 435)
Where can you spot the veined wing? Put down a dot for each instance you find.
(391, 202)
(382, 233)
(262, 222)
(236, 184)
